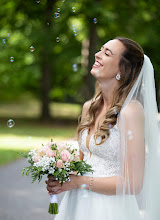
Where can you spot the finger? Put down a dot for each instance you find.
(51, 183)
(52, 189)
(51, 178)
(58, 191)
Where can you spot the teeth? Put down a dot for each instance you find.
(97, 64)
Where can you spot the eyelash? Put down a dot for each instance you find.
(105, 53)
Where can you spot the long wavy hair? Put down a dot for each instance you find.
(131, 61)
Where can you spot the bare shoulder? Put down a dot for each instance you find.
(87, 104)
(133, 109)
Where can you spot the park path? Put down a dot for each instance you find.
(19, 198)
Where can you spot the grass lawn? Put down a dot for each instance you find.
(28, 132)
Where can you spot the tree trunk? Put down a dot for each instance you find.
(46, 64)
(89, 80)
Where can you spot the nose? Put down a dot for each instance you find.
(98, 55)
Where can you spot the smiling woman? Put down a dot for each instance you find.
(118, 136)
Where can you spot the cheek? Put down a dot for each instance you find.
(110, 68)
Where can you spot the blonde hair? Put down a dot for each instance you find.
(131, 61)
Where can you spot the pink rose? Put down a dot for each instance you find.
(61, 146)
(43, 150)
(50, 153)
(59, 163)
(50, 144)
(36, 158)
(65, 155)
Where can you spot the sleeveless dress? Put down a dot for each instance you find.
(82, 204)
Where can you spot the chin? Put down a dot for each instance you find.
(94, 71)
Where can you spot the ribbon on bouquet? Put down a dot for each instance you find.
(53, 198)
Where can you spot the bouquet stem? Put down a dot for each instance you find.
(53, 206)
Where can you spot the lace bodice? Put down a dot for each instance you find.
(105, 158)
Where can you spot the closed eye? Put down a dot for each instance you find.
(105, 53)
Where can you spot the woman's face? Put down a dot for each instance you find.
(106, 64)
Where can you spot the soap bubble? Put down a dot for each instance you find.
(4, 41)
(38, 1)
(95, 20)
(57, 39)
(73, 26)
(73, 9)
(84, 188)
(58, 9)
(63, 0)
(56, 15)
(115, 112)
(74, 32)
(31, 48)
(75, 67)
(10, 123)
(11, 59)
(7, 34)
(110, 126)
(47, 23)
(130, 134)
(29, 138)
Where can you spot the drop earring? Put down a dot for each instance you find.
(118, 76)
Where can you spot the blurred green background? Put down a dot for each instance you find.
(43, 91)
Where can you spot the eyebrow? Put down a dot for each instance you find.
(107, 49)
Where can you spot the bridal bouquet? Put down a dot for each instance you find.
(55, 159)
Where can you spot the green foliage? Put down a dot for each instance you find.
(26, 21)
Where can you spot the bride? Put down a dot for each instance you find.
(118, 136)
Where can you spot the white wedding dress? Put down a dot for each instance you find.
(81, 204)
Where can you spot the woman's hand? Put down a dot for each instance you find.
(54, 187)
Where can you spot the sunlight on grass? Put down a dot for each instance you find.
(31, 109)
(26, 142)
(30, 134)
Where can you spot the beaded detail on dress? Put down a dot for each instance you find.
(105, 158)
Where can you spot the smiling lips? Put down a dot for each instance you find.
(97, 64)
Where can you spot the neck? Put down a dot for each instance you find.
(108, 88)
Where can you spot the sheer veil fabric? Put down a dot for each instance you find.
(140, 147)
(134, 148)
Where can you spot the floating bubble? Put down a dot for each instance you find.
(29, 138)
(115, 112)
(10, 123)
(47, 23)
(74, 32)
(58, 9)
(11, 59)
(95, 20)
(31, 48)
(73, 26)
(56, 15)
(4, 41)
(84, 186)
(73, 9)
(110, 126)
(75, 67)
(57, 39)
(7, 34)
(130, 134)
(63, 0)
(38, 1)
